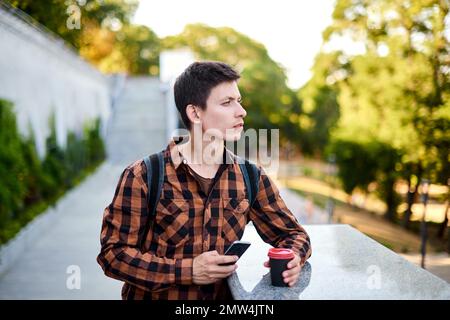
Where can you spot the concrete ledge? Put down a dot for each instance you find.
(345, 264)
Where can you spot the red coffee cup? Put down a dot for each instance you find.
(279, 258)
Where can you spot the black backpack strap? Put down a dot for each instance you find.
(251, 175)
(155, 179)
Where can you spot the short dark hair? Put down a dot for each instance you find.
(194, 85)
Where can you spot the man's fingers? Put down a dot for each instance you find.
(223, 269)
(218, 276)
(226, 259)
(266, 264)
(221, 275)
(291, 272)
(291, 280)
(294, 262)
(209, 281)
(291, 276)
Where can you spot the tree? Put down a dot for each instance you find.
(320, 106)
(135, 51)
(54, 15)
(104, 37)
(396, 91)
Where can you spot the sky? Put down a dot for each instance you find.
(291, 30)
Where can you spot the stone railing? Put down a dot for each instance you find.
(345, 264)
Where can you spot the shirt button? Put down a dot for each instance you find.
(184, 161)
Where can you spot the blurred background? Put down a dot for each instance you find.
(360, 91)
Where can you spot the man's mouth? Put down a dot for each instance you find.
(240, 125)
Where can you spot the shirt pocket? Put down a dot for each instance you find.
(172, 225)
(234, 218)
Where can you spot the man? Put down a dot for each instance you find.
(203, 205)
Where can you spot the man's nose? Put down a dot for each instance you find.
(241, 111)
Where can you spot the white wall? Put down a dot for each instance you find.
(40, 75)
(172, 63)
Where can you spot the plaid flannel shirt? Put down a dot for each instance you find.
(187, 223)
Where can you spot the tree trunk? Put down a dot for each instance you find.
(411, 196)
(391, 212)
(407, 213)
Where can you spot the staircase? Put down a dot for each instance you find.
(137, 127)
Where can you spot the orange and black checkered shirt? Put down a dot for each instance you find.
(188, 222)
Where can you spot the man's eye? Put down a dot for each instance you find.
(226, 103)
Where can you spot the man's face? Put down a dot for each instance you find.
(224, 115)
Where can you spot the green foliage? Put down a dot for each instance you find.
(136, 51)
(393, 96)
(54, 14)
(12, 165)
(29, 185)
(319, 104)
(356, 164)
(361, 164)
(95, 148)
(105, 36)
(36, 181)
(54, 162)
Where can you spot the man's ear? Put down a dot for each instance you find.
(192, 113)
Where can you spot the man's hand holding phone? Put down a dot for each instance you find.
(211, 266)
(207, 268)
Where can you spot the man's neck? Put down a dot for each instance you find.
(203, 154)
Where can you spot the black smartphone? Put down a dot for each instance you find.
(237, 248)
